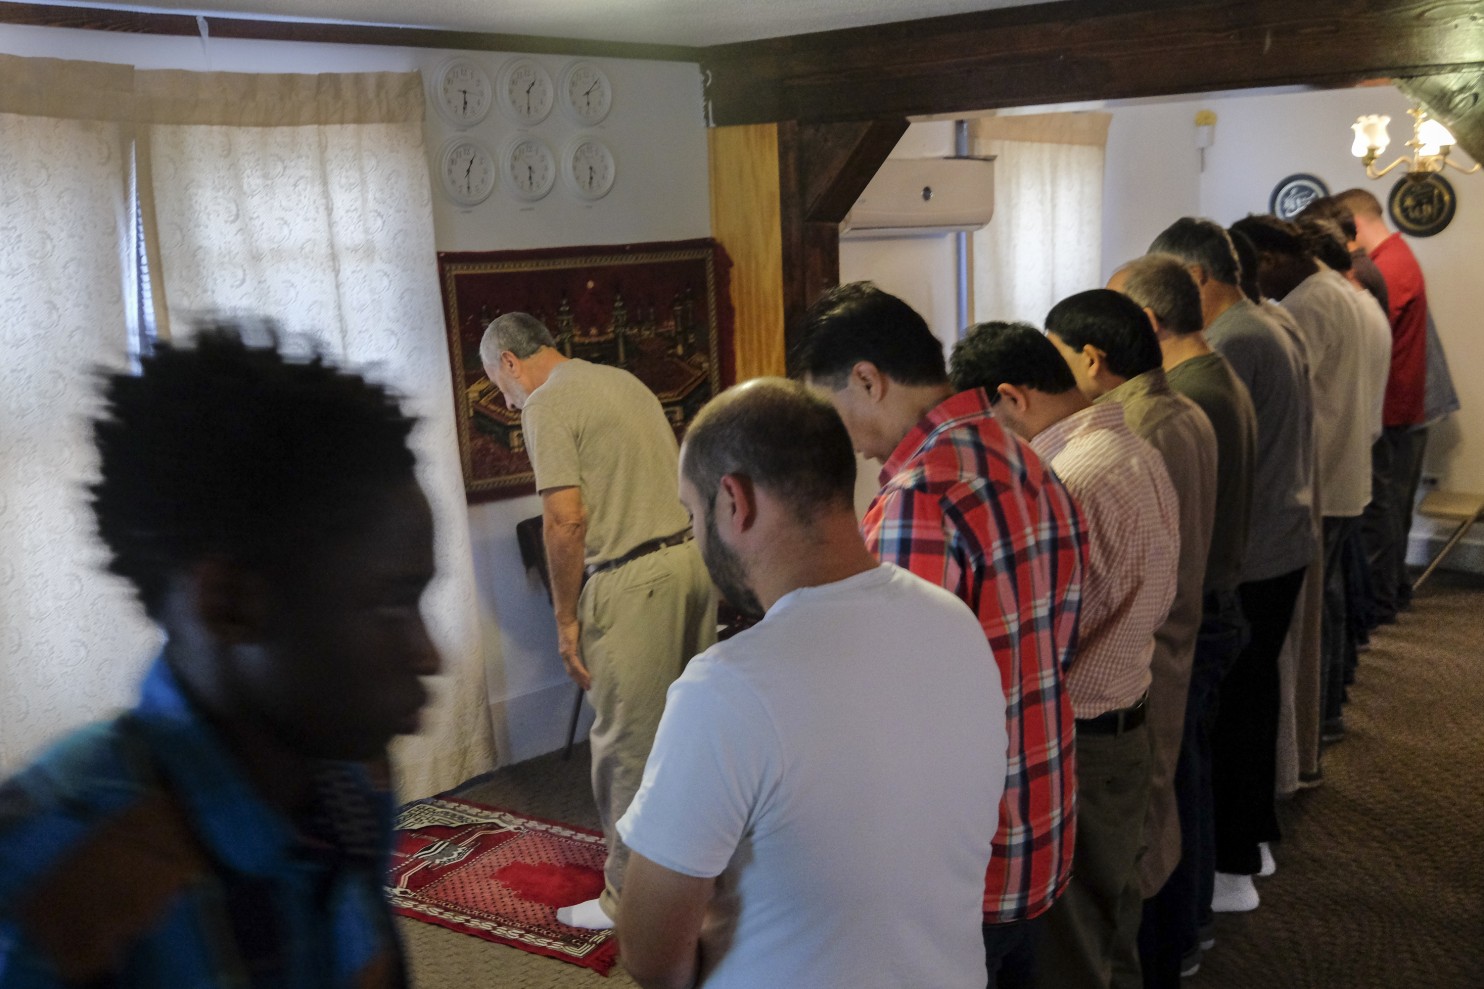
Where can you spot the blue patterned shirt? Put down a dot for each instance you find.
(135, 853)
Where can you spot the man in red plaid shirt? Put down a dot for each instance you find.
(971, 508)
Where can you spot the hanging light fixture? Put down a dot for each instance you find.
(1431, 143)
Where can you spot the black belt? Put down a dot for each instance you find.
(643, 549)
(1114, 722)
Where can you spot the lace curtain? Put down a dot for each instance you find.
(72, 641)
(1044, 241)
(306, 199)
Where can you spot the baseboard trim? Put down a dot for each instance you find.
(1467, 556)
(535, 723)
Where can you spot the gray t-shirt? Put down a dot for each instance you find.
(1277, 380)
(602, 430)
(1209, 382)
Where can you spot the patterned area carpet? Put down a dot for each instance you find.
(1380, 881)
(499, 876)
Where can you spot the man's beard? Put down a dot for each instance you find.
(727, 573)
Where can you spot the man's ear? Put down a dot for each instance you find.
(230, 601)
(1097, 360)
(1154, 322)
(736, 503)
(867, 377)
(1199, 273)
(1015, 395)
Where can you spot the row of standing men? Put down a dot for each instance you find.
(1210, 420)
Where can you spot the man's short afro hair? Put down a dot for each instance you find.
(218, 448)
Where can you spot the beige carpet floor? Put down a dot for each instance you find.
(1380, 878)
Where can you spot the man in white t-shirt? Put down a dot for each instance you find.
(820, 801)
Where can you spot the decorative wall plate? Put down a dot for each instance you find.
(1294, 193)
(1422, 205)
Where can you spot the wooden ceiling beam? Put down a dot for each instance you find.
(1084, 50)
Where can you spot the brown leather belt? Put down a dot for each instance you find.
(643, 549)
(1115, 722)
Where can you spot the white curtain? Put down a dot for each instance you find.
(1044, 242)
(306, 199)
(72, 641)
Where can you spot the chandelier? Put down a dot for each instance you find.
(1431, 142)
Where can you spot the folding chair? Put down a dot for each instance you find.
(1454, 506)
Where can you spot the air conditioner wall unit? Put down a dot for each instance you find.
(924, 196)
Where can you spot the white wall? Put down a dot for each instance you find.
(1261, 140)
(658, 138)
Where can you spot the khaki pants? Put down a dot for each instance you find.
(641, 623)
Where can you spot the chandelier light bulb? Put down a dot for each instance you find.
(1371, 129)
(1432, 134)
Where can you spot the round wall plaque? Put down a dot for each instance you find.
(1294, 193)
(1422, 205)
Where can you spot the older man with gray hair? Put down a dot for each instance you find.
(632, 599)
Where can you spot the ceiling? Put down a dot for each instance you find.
(698, 23)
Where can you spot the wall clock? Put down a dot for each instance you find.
(586, 93)
(527, 167)
(525, 90)
(462, 92)
(466, 170)
(587, 168)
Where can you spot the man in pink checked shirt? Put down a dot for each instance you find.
(1133, 524)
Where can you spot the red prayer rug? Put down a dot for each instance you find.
(499, 876)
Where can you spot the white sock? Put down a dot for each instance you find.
(1269, 866)
(588, 915)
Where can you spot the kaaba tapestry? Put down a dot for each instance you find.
(661, 311)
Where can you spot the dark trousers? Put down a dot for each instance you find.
(1173, 916)
(1244, 740)
(1010, 953)
(1336, 640)
(1396, 469)
(1083, 935)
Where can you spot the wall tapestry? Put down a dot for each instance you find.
(661, 311)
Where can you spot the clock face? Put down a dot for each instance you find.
(587, 167)
(526, 91)
(462, 92)
(466, 170)
(528, 166)
(587, 95)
